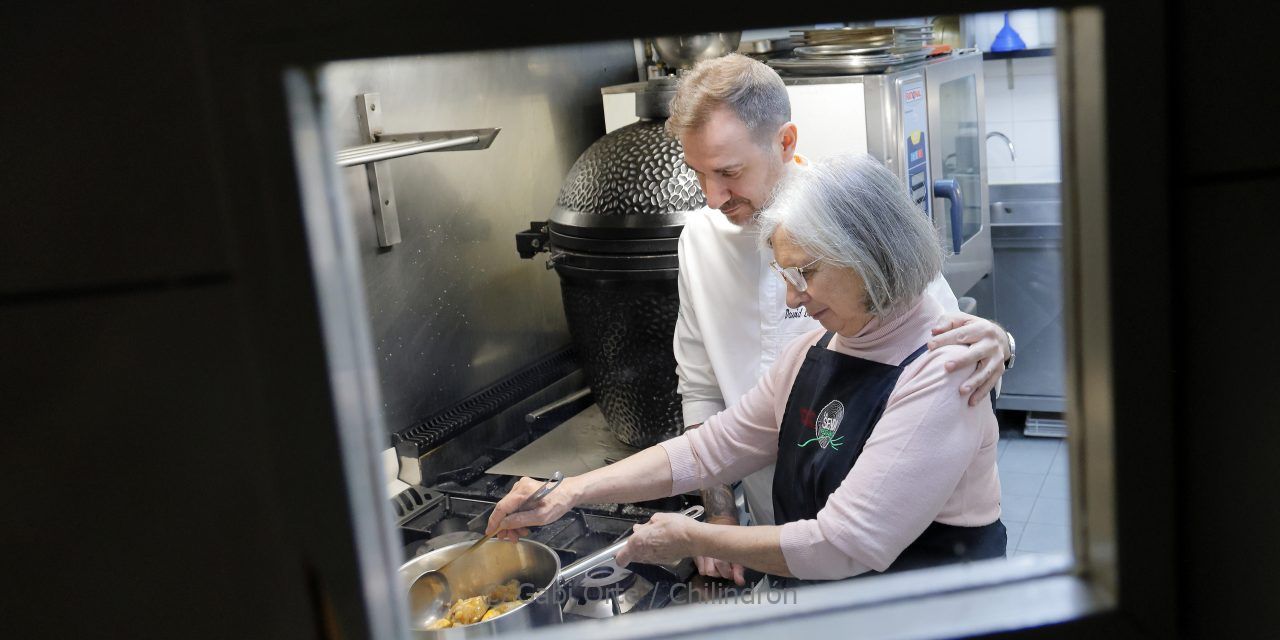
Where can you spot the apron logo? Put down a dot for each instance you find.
(826, 424)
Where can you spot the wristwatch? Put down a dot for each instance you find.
(1013, 352)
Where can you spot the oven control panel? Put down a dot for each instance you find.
(915, 138)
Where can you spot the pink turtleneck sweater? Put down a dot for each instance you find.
(931, 457)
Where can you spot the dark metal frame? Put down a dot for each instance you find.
(1125, 378)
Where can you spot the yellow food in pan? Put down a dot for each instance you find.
(463, 611)
(506, 592)
(499, 609)
(468, 610)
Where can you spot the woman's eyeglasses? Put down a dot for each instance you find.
(795, 276)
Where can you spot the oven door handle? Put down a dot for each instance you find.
(950, 189)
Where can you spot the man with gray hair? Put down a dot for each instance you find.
(733, 117)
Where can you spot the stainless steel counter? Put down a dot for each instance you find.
(581, 444)
(1026, 234)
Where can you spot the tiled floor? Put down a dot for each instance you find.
(1035, 505)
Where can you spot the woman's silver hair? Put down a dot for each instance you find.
(852, 212)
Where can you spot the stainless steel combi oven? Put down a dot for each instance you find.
(925, 121)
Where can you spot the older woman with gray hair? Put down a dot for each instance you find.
(881, 466)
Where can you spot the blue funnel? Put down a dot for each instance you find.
(1007, 39)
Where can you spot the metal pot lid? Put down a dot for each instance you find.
(845, 65)
(827, 50)
(863, 36)
(633, 178)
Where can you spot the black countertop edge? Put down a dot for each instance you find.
(1020, 53)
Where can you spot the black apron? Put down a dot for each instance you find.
(834, 405)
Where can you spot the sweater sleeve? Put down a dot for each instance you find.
(742, 439)
(698, 387)
(909, 468)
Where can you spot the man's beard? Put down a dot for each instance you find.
(748, 211)
(742, 211)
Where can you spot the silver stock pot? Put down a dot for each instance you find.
(535, 566)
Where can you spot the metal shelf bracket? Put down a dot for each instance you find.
(383, 146)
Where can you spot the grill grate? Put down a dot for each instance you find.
(482, 405)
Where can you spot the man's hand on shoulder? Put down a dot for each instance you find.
(988, 349)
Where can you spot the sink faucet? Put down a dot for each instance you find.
(1007, 141)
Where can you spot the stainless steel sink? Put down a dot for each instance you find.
(1025, 204)
(1026, 212)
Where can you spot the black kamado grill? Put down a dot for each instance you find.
(612, 238)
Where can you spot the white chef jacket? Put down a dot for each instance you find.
(733, 322)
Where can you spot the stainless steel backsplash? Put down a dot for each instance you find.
(452, 307)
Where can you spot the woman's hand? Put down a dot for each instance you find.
(665, 538)
(988, 349)
(512, 523)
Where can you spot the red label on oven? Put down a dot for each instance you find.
(911, 95)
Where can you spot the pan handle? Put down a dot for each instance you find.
(607, 554)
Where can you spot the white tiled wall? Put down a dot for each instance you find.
(1028, 114)
(1036, 27)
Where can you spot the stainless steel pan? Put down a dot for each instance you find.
(532, 564)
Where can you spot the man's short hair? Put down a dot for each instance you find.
(750, 88)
